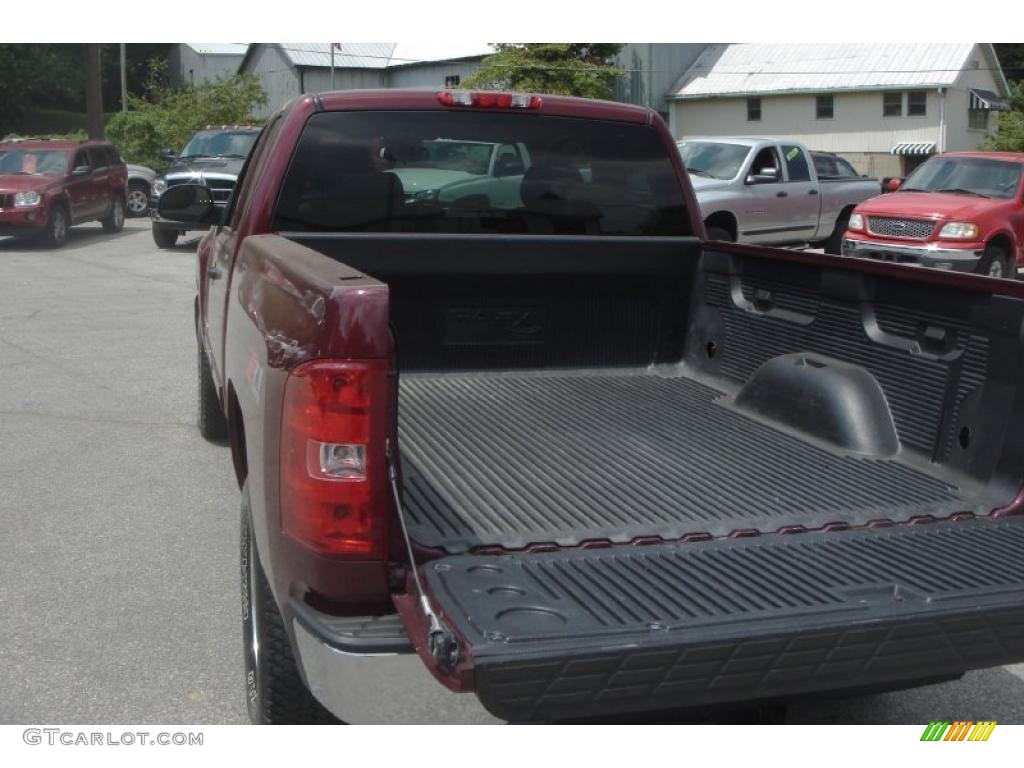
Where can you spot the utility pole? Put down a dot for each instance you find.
(93, 91)
(124, 81)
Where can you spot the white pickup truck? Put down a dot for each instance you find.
(766, 192)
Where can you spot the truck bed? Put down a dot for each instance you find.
(575, 456)
(582, 390)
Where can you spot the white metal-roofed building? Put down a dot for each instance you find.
(287, 70)
(884, 106)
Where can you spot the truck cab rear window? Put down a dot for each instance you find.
(480, 173)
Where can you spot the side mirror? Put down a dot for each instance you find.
(81, 170)
(189, 204)
(893, 184)
(168, 155)
(764, 176)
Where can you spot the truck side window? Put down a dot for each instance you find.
(845, 169)
(824, 166)
(766, 163)
(250, 170)
(796, 163)
(509, 162)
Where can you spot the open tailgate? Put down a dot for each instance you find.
(580, 633)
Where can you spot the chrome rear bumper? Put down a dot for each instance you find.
(361, 685)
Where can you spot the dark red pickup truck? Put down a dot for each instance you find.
(546, 455)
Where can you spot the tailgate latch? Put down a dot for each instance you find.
(441, 643)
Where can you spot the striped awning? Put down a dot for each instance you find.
(913, 148)
(980, 99)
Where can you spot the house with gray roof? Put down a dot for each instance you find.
(197, 63)
(287, 70)
(886, 107)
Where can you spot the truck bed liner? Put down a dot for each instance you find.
(563, 458)
(588, 632)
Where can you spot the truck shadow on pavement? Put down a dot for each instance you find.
(78, 237)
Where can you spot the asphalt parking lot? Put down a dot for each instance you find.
(119, 599)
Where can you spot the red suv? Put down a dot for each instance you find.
(48, 186)
(960, 210)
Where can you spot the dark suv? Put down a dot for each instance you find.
(48, 186)
(213, 157)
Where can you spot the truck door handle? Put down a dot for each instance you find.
(782, 194)
(213, 273)
(812, 192)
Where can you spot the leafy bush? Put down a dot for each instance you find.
(1009, 135)
(166, 117)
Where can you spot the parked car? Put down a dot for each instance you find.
(568, 460)
(213, 156)
(48, 186)
(959, 210)
(767, 192)
(444, 170)
(140, 182)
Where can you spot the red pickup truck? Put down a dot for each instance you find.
(548, 456)
(960, 211)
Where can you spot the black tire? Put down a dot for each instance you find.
(138, 199)
(717, 233)
(211, 421)
(834, 244)
(996, 263)
(114, 221)
(57, 224)
(274, 691)
(164, 238)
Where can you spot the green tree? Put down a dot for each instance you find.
(1011, 59)
(33, 75)
(165, 117)
(572, 69)
(1009, 136)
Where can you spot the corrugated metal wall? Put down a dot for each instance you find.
(276, 74)
(651, 71)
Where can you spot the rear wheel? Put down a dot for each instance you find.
(995, 263)
(114, 221)
(138, 198)
(56, 232)
(211, 421)
(834, 244)
(274, 691)
(164, 238)
(717, 233)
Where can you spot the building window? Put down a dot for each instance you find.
(754, 110)
(977, 119)
(452, 81)
(824, 107)
(892, 104)
(917, 103)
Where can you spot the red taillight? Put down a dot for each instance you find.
(489, 100)
(333, 473)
